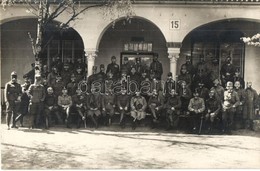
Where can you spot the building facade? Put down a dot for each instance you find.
(171, 29)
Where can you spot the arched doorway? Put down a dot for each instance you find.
(137, 38)
(16, 48)
(218, 40)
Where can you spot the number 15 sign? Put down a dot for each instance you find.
(175, 24)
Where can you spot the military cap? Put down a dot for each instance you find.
(229, 83)
(14, 73)
(169, 74)
(102, 66)
(113, 57)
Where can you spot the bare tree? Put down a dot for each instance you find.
(47, 11)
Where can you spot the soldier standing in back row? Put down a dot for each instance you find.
(113, 67)
(12, 94)
(156, 67)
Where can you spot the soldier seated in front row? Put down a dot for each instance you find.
(77, 109)
(123, 102)
(94, 106)
(196, 108)
(108, 107)
(65, 102)
(173, 105)
(138, 106)
(155, 105)
(51, 108)
(213, 108)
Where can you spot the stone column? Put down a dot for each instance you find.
(173, 56)
(90, 59)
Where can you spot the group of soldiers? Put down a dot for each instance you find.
(66, 96)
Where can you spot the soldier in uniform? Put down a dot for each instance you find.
(138, 66)
(135, 80)
(189, 67)
(92, 78)
(113, 67)
(213, 108)
(66, 74)
(77, 109)
(79, 74)
(13, 92)
(169, 85)
(72, 85)
(241, 94)
(44, 72)
(156, 67)
(138, 105)
(123, 102)
(25, 100)
(184, 76)
(155, 105)
(108, 107)
(251, 100)
(37, 95)
(58, 86)
(230, 103)
(51, 109)
(52, 77)
(185, 95)
(227, 71)
(196, 108)
(94, 102)
(237, 77)
(219, 90)
(203, 91)
(57, 64)
(65, 103)
(81, 65)
(173, 105)
(126, 66)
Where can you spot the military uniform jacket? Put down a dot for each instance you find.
(108, 99)
(196, 104)
(114, 69)
(169, 85)
(123, 100)
(12, 91)
(155, 100)
(94, 101)
(157, 68)
(138, 103)
(232, 98)
(36, 93)
(173, 101)
(50, 100)
(213, 105)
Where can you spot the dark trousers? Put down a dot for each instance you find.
(35, 110)
(195, 119)
(23, 111)
(49, 114)
(12, 108)
(228, 119)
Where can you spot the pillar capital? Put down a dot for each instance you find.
(173, 54)
(91, 55)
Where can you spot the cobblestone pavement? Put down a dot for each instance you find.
(112, 148)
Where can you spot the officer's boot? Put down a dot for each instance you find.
(134, 124)
(68, 120)
(8, 119)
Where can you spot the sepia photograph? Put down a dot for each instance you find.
(130, 84)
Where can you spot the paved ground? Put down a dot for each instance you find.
(111, 148)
